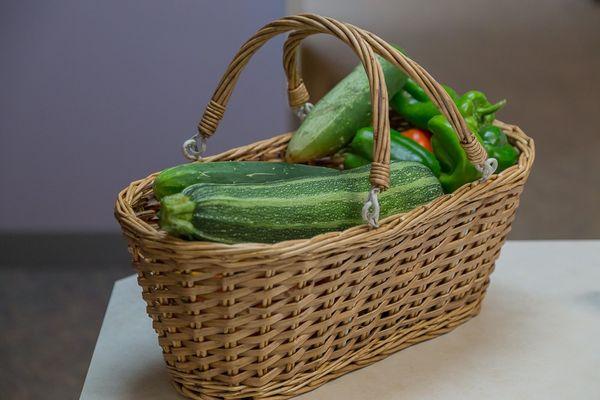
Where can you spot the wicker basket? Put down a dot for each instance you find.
(273, 321)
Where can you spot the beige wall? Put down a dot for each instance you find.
(543, 56)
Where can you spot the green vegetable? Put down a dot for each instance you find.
(484, 112)
(497, 146)
(291, 209)
(414, 105)
(175, 179)
(352, 160)
(332, 122)
(456, 167)
(457, 170)
(418, 93)
(402, 149)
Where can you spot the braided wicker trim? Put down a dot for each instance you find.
(212, 116)
(272, 149)
(298, 95)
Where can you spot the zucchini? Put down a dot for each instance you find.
(291, 209)
(175, 179)
(332, 122)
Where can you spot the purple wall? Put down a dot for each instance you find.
(96, 94)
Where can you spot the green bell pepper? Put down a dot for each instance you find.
(351, 160)
(401, 149)
(456, 167)
(457, 170)
(415, 106)
(483, 111)
(497, 146)
(419, 94)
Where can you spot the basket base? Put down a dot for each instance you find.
(375, 351)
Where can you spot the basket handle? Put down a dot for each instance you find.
(298, 95)
(379, 175)
(363, 43)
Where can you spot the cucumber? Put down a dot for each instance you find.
(291, 209)
(339, 114)
(175, 179)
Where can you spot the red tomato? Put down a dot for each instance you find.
(420, 136)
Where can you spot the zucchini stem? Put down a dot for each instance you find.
(176, 213)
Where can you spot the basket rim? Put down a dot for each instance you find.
(361, 236)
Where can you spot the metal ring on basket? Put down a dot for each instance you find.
(303, 111)
(194, 147)
(371, 209)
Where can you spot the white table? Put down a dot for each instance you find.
(537, 337)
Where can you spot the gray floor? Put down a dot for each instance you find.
(51, 312)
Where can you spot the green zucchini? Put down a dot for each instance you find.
(175, 179)
(332, 122)
(291, 209)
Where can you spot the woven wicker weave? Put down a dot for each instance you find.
(274, 321)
